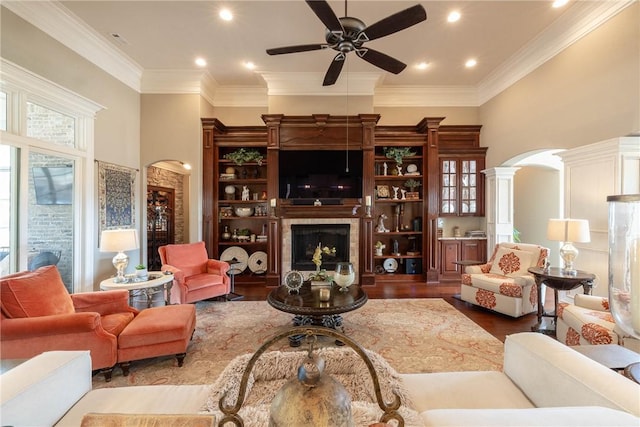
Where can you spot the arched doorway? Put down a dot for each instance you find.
(167, 210)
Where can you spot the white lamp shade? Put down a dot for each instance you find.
(118, 240)
(568, 230)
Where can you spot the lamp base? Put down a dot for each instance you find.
(120, 262)
(569, 253)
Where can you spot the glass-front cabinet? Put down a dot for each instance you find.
(461, 186)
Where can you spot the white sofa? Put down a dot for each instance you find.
(543, 383)
(503, 284)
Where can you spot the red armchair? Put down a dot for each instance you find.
(38, 314)
(196, 277)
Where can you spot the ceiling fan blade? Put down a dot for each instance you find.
(295, 49)
(394, 23)
(381, 60)
(323, 11)
(334, 70)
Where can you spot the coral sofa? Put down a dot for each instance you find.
(503, 284)
(543, 383)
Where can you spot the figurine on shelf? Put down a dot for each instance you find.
(384, 169)
(404, 194)
(395, 192)
(380, 228)
(399, 169)
(245, 193)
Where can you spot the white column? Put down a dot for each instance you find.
(499, 205)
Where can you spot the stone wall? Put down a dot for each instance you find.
(166, 178)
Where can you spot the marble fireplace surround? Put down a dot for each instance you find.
(354, 239)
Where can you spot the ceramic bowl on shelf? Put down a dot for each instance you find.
(244, 212)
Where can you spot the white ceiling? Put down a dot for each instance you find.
(162, 39)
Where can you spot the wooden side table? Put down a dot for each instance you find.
(556, 279)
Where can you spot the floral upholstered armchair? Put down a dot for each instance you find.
(504, 284)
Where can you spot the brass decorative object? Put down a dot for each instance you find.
(329, 394)
(311, 399)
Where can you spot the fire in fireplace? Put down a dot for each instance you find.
(305, 238)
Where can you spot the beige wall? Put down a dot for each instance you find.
(536, 199)
(238, 116)
(588, 93)
(171, 130)
(335, 105)
(117, 127)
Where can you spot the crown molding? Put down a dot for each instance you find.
(426, 96)
(172, 81)
(566, 30)
(61, 24)
(288, 83)
(64, 26)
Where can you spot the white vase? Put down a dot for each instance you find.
(142, 274)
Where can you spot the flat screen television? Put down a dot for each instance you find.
(320, 174)
(53, 185)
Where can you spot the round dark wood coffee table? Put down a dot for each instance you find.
(309, 310)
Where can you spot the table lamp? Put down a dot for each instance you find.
(568, 231)
(119, 241)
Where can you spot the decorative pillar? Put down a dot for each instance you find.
(499, 205)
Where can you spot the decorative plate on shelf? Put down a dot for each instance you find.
(236, 257)
(293, 281)
(390, 265)
(258, 262)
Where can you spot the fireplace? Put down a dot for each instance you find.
(305, 238)
(351, 252)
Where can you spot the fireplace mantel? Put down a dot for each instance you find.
(345, 210)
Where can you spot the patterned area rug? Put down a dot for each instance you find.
(413, 335)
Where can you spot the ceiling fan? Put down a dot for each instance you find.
(348, 34)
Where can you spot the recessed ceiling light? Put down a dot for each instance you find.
(249, 65)
(559, 3)
(226, 15)
(422, 65)
(454, 16)
(470, 63)
(201, 62)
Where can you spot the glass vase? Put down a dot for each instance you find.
(624, 262)
(345, 275)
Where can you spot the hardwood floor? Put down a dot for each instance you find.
(497, 324)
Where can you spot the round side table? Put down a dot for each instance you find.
(556, 279)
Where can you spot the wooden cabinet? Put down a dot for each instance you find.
(242, 212)
(401, 217)
(461, 186)
(235, 199)
(454, 250)
(461, 161)
(399, 210)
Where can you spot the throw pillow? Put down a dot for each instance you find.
(511, 262)
(40, 293)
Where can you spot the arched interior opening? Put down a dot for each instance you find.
(167, 208)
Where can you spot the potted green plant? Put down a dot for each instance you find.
(141, 271)
(412, 184)
(398, 153)
(379, 246)
(244, 155)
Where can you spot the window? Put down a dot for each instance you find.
(45, 203)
